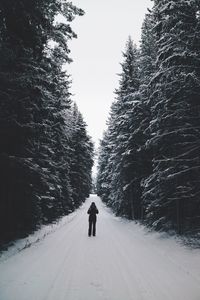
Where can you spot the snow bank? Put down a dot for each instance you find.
(36, 237)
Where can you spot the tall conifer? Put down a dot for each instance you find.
(171, 192)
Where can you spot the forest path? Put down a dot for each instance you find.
(123, 262)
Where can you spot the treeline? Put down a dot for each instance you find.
(46, 155)
(149, 160)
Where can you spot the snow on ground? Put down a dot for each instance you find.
(123, 262)
(37, 236)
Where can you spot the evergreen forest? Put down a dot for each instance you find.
(149, 156)
(46, 154)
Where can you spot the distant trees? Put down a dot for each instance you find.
(81, 158)
(157, 178)
(123, 142)
(36, 117)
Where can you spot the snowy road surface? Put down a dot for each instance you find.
(122, 262)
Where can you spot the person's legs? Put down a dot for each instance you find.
(90, 228)
(94, 228)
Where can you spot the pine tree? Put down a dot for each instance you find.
(118, 136)
(34, 95)
(171, 192)
(105, 162)
(148, 50)
(141, 117)
(81, 158)
(101, 167)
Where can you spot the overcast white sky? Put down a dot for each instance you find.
(97, 53)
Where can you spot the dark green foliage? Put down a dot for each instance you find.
(124, 161)
(35, 116)
(81, 159)
(149, 165)
(115, 180)
(172, 192)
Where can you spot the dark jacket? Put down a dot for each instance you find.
(93, 211)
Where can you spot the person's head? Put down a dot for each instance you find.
(93, 204)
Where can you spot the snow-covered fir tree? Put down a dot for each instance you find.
(148, 50)
(124, 160)
(35, 185)
(105, 162)
(81, 158)
(149, 156)
(119, 136)
(171, 193)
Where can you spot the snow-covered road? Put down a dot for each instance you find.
(123, 262)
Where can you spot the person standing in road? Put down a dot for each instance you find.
(92, 211)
